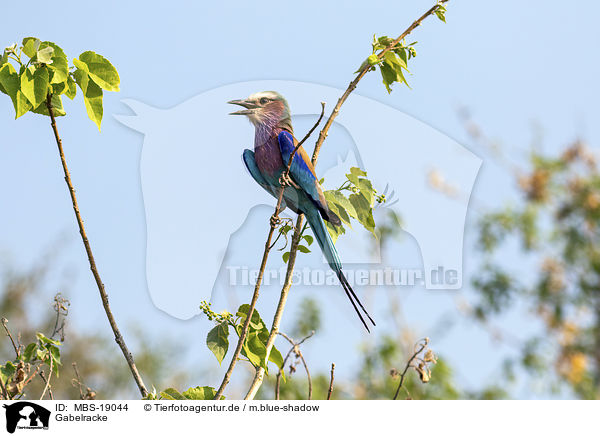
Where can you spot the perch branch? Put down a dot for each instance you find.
(259, 373)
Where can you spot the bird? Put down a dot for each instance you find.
(274, 142)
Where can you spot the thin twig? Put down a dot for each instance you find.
(296, 348)
(423, 345)
(259, 374)
(103, 295)
(78, 380)
(33, 374)
(364, 71)
(263, 264)
(330, 390)
(47, 387)
(17, 349)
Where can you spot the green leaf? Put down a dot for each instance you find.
(57, 88)
(31, 46)
(440, 12)
(309, 239)
(339, 198)
(366, 189)
(28, 354)
(401, 52)
(60, 63)
(101, 70)
(255, 350)
(41, 354)
(22, 105)
(373, 60)
(340, 212)
(55, 353)
(285, 256)
(44, 55)
(71, 90)
(10, 84)
(172, 394)
(200, 393)
(334, 231)
(303, 249)
(388, 75)
(363, 211)
(92, 93)
(7, 371)
(276, 357)
(395, 60)
(57, 107)
(256, 321)
(45, 340)
(9, 81)
(358, 172)
(391, 70)
(34, 85)
(218, 342)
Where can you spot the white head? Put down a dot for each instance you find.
(265, 108)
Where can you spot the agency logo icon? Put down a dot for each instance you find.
(26, 415)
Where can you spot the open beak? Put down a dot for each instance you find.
(244, 103)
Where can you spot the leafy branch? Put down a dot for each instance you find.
(37, 87)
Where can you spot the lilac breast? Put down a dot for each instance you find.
(268, 157)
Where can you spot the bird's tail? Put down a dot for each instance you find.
(322, 235)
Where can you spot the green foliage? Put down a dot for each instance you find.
(557, 223)
(197, 393)
(354, 199)
(378, 376)
(47, 73)
(255, 344)
(392, 63)
(217, 340)
(440, 12)
(15, 373)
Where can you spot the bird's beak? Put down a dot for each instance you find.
(245, 103)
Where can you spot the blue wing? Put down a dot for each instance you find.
(249, 160)
(302, 171)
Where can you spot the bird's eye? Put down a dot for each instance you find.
(264, 100)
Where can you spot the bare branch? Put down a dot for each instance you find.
(421, 345)
(103, 295)
(295, 348)
(47, 387)
(17, 349)
(330, 390)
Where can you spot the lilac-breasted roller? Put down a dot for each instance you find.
(274, 142)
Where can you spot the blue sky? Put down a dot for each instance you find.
(513, 65)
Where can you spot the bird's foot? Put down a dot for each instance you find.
(286, 180)
(275, 220)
